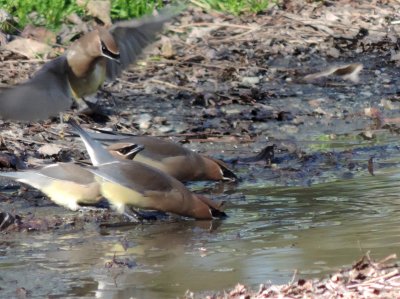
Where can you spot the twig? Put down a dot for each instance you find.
(24, 140)
(222, 67)
(171, 85)
(390, 257)
(388, 275)
(135, 85)
(24, 60)
(293, 277)
(205, 24)
(235, 37)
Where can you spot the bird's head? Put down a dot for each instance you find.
(108, 46)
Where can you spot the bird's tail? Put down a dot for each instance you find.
(31, 178)
(98, 154)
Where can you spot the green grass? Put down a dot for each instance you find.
(125, 9)
(52, 13)
(235, 7)
(49, 13)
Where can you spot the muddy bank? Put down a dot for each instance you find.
(365, 279)
(229, 88)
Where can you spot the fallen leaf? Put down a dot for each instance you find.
(198, 33)
(390, 105)
(39, 34)
(346, 72)
(372, 112)
(3, 39)
(250, 81)
(333, 52)
(28, 47)
(49, 149)
(167, 49)
(21, 293)
(395, 56)
(74, 19)
(10, 161)
(98, 8)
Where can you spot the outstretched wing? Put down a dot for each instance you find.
(133, 36)
(46, 94)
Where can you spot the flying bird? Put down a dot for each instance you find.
(98, 55)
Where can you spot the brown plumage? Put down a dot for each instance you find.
(100, 54)
(172, 158)
(66, 184)
(132, 183)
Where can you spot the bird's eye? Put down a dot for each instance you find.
(107, 53)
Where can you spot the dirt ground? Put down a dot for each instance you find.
(315, 79)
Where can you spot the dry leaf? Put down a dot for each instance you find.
(395, 56)
(372, 112)
(3, 39)
(250, 81)
(390, 105)
(198, 33)
(167, 50)
(74, 19)
(320, 111)
(346, 72)
(39, 34)
(49, 149)
(28, 47)
(333, 52)
(21, 293)
(98, 8)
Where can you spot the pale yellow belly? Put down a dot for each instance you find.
(70, 195)
(90, 83)
(119, 196)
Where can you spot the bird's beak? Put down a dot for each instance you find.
(115, 58)
(135, 149)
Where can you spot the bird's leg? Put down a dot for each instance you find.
(83, 107)
(89, 106)
(62, 132)
(64, 118)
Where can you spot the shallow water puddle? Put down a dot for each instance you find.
(270, 233)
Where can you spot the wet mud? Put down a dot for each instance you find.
(233, 88)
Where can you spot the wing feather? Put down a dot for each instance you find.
(46, 94)
(134, 36)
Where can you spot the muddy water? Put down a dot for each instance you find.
(270, 233)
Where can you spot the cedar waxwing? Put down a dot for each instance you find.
(100, 54)
(127, 182)
(67, 184)
(172, 158)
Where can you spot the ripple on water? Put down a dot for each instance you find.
(270, 232)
